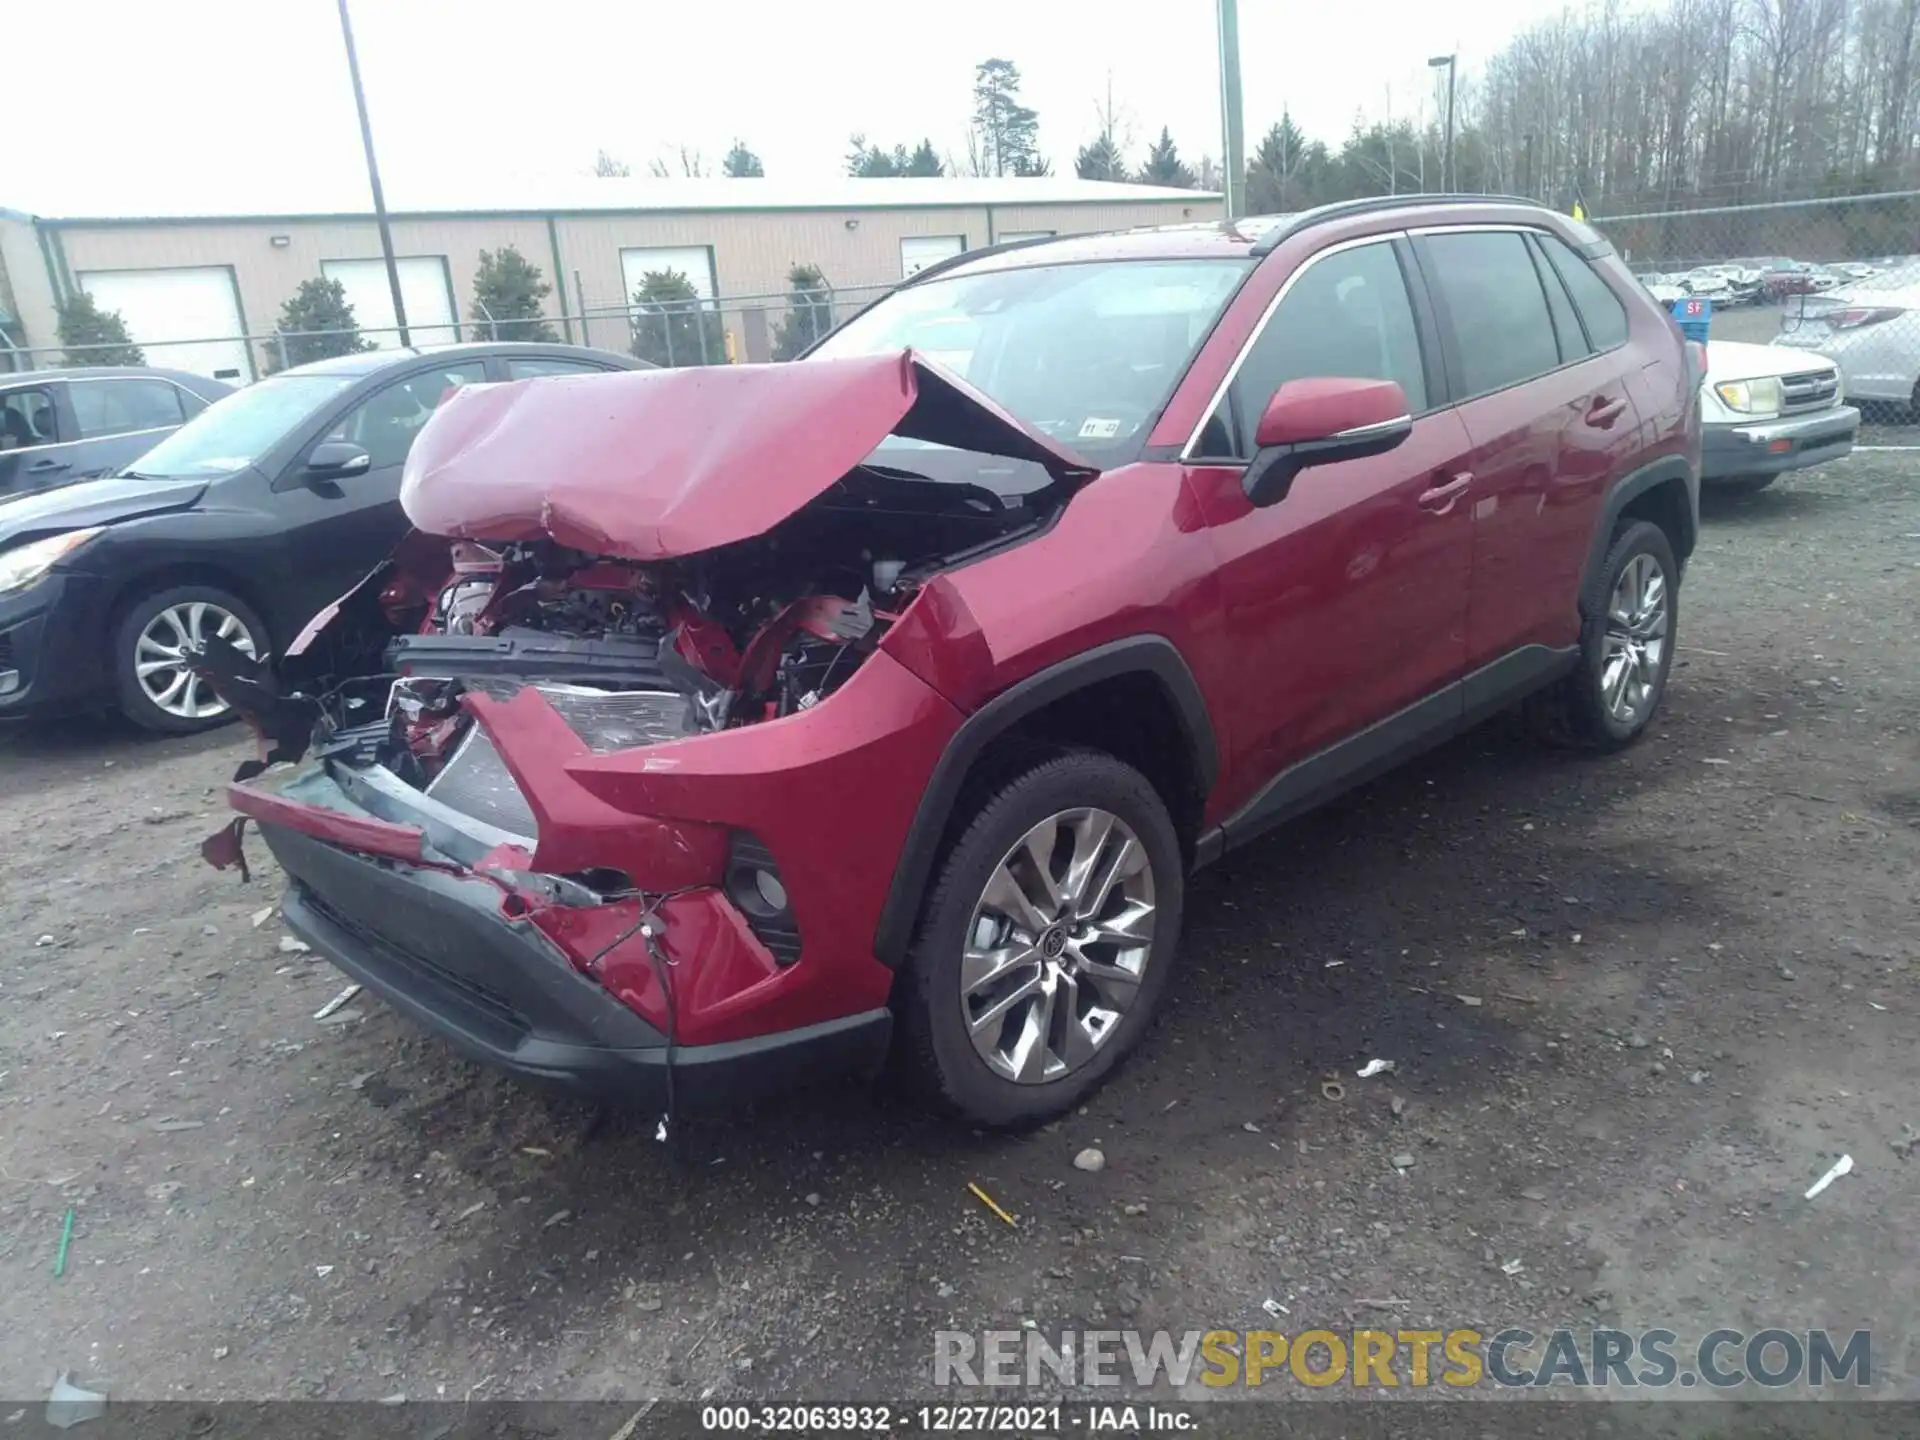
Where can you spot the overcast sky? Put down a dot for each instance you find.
(116, 97)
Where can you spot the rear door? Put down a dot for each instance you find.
(1347, 600)
(1551, 423)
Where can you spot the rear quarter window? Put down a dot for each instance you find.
(1600, 308)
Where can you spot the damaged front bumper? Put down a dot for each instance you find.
(522, 952)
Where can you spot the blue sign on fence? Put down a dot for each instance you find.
(1695, 314)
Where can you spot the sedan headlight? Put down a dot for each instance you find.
(21, 567)
(1752, 397)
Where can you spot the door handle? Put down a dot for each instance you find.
(1603, 412)
(1441, 497)
(41, 467)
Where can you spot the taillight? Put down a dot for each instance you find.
(1854, 318)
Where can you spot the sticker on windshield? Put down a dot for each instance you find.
(1092, 429)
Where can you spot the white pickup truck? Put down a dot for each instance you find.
(1766, 410)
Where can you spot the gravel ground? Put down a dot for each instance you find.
(1636, 1005)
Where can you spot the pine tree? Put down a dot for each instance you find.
(1007, 131)
(82, 325)
(672, 326)
(923, 161)
(809, 312)
(510, 291)
(316, 324)
(1100, 159)
(1164, 165)
(741, 163)
(1272, 173)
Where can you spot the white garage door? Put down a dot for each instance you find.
(424, 287)
(161, 306)
(693, 261)
(919, 251)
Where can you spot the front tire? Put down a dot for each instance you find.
(1045, 944)
(1626, 647)
(155, 687)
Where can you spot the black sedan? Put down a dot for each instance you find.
(59, 426)
(242, 524)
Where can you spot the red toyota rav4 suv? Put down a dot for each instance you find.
(718, 728)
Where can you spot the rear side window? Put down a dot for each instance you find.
(1498, 309)
(1606, 317)
(119, 407)
(1346, 315)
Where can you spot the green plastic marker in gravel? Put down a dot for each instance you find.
(66, 1238)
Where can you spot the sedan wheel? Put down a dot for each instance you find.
(163, 669)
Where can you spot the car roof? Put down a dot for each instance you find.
(369, 362)
(187, 378)
(1249, 236)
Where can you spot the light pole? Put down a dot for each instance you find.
(373, 177)
(1233, 168)
(1448, 180)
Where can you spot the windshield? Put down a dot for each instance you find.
(238, 430)
(1087, 354)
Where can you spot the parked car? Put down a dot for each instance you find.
(1663, 288)
(1785, 278)
(59, 426)
(239, 524)
(1766, 411)
(1871, 330)
(1708, 284)
(754, 719)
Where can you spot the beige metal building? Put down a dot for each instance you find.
(202, 291)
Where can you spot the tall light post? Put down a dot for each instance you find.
(1233, 165)
(1448, 180)
(373, 177)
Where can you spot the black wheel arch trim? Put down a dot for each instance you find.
(1152, 655)
(1668, 470)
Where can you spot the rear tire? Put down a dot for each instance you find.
(1626, 647)
(1045, 943)
(167, 699)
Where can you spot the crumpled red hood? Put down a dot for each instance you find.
(650, 464)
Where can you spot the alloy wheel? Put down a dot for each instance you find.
(1057, 946)
(1636, 640)
(161, 665)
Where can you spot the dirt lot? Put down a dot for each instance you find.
(1692, 973)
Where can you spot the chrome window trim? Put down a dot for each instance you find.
(1386, 237)
(69, 444)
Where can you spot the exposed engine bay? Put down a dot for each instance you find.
(628, 653)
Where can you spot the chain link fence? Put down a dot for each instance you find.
(735, 329)
(1837, 277)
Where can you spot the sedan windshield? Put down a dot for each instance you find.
(1087, 353)
(237, 431)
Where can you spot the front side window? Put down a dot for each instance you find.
(385, 424)
(1499, 311)
(1346, 315)
(1087, 354)
(119, 407)
(26, 418)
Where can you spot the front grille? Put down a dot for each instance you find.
(1810, 390)
(489, 1006)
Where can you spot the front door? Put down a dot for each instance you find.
(1346, 601)
(339, 529)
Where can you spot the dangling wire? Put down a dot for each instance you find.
(650, 925)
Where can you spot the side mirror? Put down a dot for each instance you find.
(336, 460)
(1320, 421)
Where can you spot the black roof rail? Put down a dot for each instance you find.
(940, 267)
(1341, 209)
